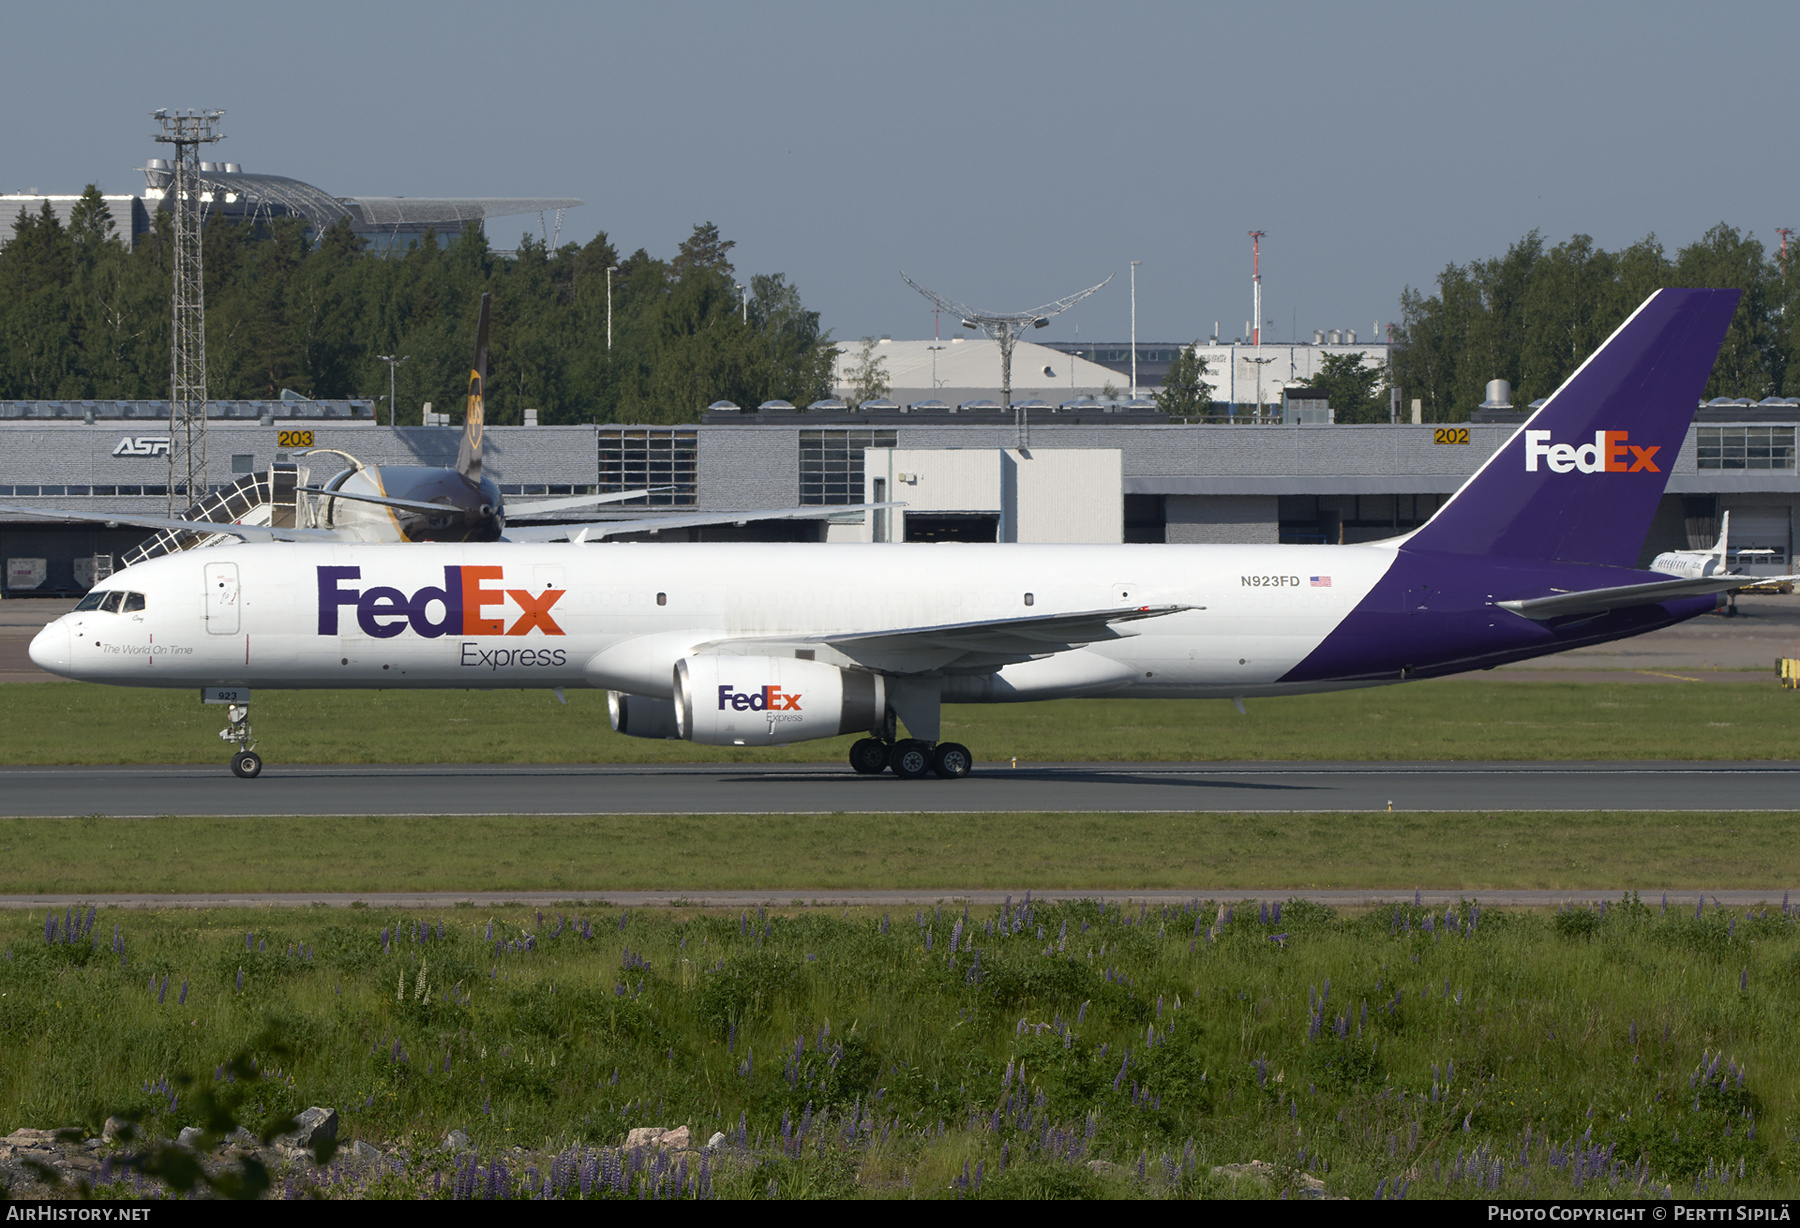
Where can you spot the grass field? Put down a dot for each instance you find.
(1033, 1051)
(66, 722)
(932, 852)
(1058, 1051)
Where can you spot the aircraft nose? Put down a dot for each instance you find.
(50, 648)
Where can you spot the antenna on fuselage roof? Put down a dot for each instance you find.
(468, 457)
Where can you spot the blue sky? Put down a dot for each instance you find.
(1003, 154)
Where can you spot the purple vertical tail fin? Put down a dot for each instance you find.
(1580, 481)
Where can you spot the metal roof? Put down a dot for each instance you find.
(374, 212)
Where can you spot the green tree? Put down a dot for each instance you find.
(1752, 359)
(703, 251)
(83, 316)
(39, 343)
(1185, 392)
(1533, 316)
(866, 377)
(1356, 392)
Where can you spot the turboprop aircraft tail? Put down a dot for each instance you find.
(1580, 481)
(468, 457)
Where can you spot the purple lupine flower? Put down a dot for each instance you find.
(249, 945)
(49, 928)
(182, 1000)
(240, 978)
(1744, 979)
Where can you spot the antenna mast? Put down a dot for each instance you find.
(1784, 232)
(187, 340)
(1004, 327)
(1256, 237)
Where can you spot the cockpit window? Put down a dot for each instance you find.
(112, 602)
(133, 602)
(90, 602)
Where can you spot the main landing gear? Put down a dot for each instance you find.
(246, 764)
(911, 759)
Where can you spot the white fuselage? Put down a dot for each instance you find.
(618, 616)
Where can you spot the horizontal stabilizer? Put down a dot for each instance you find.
(1600, 600)
(248, 532)
(594, 530)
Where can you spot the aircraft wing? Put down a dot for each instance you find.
(594, 530)
(544, 507)
(1599, 600)
(416, 505)
(983, 644)
(248, 532)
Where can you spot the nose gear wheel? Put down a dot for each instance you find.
(246, 764)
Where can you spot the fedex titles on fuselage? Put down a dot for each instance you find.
(1609, 453)
(383, 612)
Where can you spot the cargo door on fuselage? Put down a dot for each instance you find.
(223, 614)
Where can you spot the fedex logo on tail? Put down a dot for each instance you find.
(460, 607)
(1611, 452)
(765, 699)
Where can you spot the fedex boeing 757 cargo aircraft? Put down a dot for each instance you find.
(760, 645)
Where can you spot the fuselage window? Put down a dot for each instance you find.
(662, 599)
(133, 602)
(1030, 599)
(112, 603)
(90, 602)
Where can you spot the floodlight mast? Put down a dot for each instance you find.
(1004, 327)
(187, 342)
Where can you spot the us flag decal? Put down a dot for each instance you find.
(1321, 581)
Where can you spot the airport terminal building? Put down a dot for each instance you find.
(1127, 475)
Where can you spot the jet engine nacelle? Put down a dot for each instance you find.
(769, 701)
(641, 716)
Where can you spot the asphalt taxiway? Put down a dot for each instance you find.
(475, 789)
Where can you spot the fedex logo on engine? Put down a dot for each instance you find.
(766, 699)
(459, 607)
(1611, 452)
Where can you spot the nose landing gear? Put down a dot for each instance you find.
(246, 763)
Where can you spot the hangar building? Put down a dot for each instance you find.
(1173, 482)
